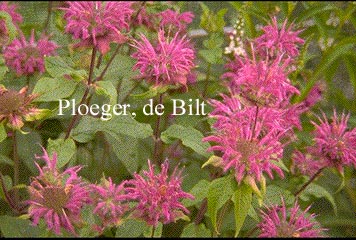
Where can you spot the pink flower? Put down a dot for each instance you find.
(98, 23)
(276, 42)
(15, 107)
(248, 145)
(175, 19)
(15, 17)
(169, 62)
(334, 143)
(261, 82)
(110, 201)
(57, 197)
(26, 58)
(158, 195)
(277, 221)
(306, 164)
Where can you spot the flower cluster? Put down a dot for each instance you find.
(15, 107)
(158, 196)
(97, 23)
(15, 19)
(278, 221)
(254, 122)
(169, 62)
(27, 58)
(56, 196)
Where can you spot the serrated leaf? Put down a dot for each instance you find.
(318, 192)
(65, 150)
(199, 191)
(131, 228)
(274, 194)
(6, 160)
(53, 89)
(189, 136)
(3, 134)
(193, 230)
(57, 67)
(12, 227)
(117, 126)
(213, 56)
(242, 199)
(220, 191)
(10, 27)
(108, 89)
(3, 68)
(8, 185)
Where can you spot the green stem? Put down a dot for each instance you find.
(49, 13)
(208, 71)
(309, 182)
(153, 231)
(221, 218)
(91, 70)
(157, 138)
(16, 167)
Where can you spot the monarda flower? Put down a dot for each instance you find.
(248, 145)
(276, 42)
(178, 21)
(97, 24)
(260, 82)
(110, 201)
(278, 221)
(168, 62)
(27, 58)
(305, 164)
(158, 195)
(334, 143)
(15, 107)
(57, 197)
(15, 18)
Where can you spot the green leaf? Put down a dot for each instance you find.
(3, 68)
(65, 150)
(131, 228)
(274, 194)
(213, 56)
(314, 11)
(318, 192)
(117, 126)
(58, 67)
(213, 160)
(106, 88)
(12, 227)
(199, 191)
(157, 231)
(189, 136)
(8, 185)
(210, 21)
(220, 191)
(3, 134)
(193, 230)
(10, 27)
(242, 199)
(6, 160)
(53, 89)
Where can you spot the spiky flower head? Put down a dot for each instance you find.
(158, 195)
(15, 20)
(247, 138)
(57, 197)
(98, 23)
(176, 21)
(278, 221)
(27, 58)
(110, 201)
(305, 164)
(15, 107)
(333, 142)
(168, 62)
(277, 41)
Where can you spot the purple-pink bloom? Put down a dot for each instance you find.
(276, 42)
(15, 17)
(170, 18)
(261, 82)
(110, 202)
(248, 145)
(334, 143)
(26, 58)
(168, 62)
(278, 221)
(158, 195)
(57, 197)
(305, 164)
(98, 23)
